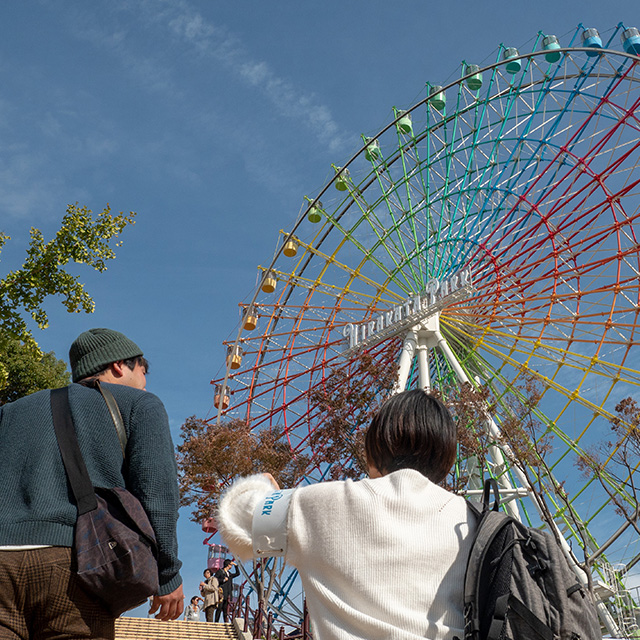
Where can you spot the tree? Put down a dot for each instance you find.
(80, 239)
(524, 440)
(27, 370)
(213, 455)
(343, 406)
(615, 462)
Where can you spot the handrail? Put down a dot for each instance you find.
(261, 624)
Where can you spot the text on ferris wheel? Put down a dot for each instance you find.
(437, 294)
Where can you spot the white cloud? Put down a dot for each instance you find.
(130, 35)
(192, 27)
(254, 73)
(224, 47)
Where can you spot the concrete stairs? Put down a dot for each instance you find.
(151, 629)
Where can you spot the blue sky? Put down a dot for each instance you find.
(212, 120)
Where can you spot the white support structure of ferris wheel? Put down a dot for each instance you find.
(417, 342)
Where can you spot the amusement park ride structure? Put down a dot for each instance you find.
(491, 230)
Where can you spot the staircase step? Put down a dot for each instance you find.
(152, 629)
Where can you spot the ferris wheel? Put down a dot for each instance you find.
(487, 235)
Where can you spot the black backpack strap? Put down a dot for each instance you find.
(74, 465)
(537, 630)
(490, 486)
(489, 527)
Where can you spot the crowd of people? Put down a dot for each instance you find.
(216, 590)
(382, 557)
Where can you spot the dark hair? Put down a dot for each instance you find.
(142, 361)
(132, 362)
(194, 598)
(226, 562)
(205, 571)
(412, 430)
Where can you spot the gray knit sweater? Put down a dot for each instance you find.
(36, 507)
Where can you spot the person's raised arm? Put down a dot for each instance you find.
(235, 512)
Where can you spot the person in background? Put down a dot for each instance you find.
(398, 523)
(192, 610)
(225, 580)
(209, 589)
(38, 588)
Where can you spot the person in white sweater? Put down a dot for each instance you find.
(381, 558)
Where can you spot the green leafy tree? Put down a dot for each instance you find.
(81, 239)
(27, 370)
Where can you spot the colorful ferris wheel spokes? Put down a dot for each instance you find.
(489, 232)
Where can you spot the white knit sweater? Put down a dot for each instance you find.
(379, 558)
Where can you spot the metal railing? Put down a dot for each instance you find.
(261, 624)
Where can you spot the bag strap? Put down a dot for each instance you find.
(490, 486)
(81, 485)
(116, 416)
(112, 405)
(74, 465)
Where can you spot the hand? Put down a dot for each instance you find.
(171, 606)
(271, 479)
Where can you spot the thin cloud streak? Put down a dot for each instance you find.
(225, 47)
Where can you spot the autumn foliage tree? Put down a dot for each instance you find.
(615, 460)
(344, 405)
(341, 407)
(212, 455)
(524, 439)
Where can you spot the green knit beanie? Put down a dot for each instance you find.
(93, 350)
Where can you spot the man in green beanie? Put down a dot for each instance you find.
(38, 594)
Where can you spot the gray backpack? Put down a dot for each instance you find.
(519, 586)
